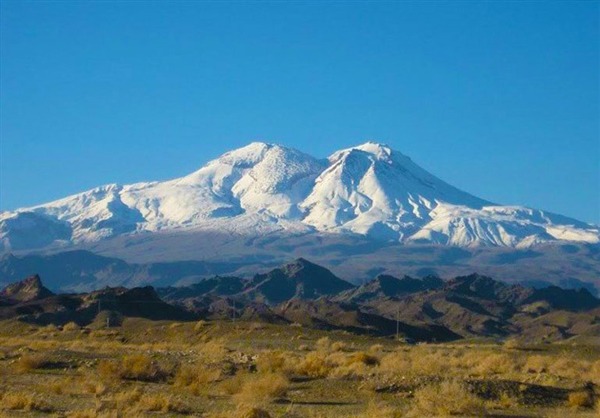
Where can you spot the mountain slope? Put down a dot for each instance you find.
(299, 279)
(261, 189)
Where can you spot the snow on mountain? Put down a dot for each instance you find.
(368, 190)
(372, 190)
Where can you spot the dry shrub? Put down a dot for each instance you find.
(448, 398)
(29, 362)
(580, 399)
(593, 373)
(56, 387)
(262, 389)
(108, 370)
(493, 364)
(512, 344)
(536, 364)
(338, 346)
(275, 361)
(354, 371)
(160, 402)
(315, 364)
(376, 348)
(23, 401)
(95, 388)
(398, 363)
(195, 378)
(132, 367)
(356, 365)
(507, 401)
(127, 398)
(233, 385)
(50, 328)
(425, 361)
(323, 344)
(213, 351)
(71, 326)
(364, 358)
(569, 368)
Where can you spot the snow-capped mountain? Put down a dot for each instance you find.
(369, 190)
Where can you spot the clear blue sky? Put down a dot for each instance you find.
(500, 99)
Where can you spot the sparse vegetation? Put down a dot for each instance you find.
(12, 401)
(225, 369)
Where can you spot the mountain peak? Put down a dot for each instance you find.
(26, 290)
(375, 148)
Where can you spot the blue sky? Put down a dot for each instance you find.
(500, 99)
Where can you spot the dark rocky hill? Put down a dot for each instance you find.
(427, 309)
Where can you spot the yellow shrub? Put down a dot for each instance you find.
(581, 399)
(233, 385)
(262, 389)
(127, 398)
(274, 361)
(213, 351)
(159, 402)
(492, 364)
(195, 378)
(131, 367)
(315, 364)
(23, 401)
(512, 344)
(569, 368)
(338, 346)
(108, 370)
(71, 326)
(376, 348)
(323, 344)
(445, 399)
(536, 364)
(28, 362)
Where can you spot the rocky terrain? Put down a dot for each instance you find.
(300, 292)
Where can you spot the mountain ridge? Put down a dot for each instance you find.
(368, 190)
(426, 309)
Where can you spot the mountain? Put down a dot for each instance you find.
(369, 190)
(325, 314)
(24, 291)
(363, 211)
(303, 293)
(36, 304)
(477, 305)
(79, 270)
(299, 279)
(386, 286)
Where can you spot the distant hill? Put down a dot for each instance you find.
(301, 292)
